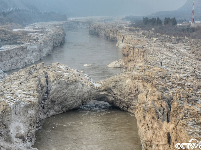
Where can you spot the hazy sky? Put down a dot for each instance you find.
(163, 5)
(108, 7)
(126, 7)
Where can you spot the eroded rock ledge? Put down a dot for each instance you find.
(161, 86)
(35, 93)
(37, 41)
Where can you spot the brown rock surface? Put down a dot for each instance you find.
(161, 86)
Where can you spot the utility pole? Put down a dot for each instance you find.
(193, 13)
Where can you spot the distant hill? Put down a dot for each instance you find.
(23, 4)
(25, 12)
(183, 13)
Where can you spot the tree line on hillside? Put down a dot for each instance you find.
(14, 10)
(168, 26)
(158, 21)
(25, 16)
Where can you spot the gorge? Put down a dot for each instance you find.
(160, 85)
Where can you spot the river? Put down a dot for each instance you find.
(97, 126)
(82, 48)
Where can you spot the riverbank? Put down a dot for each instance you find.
(29, 44)
(161, 85)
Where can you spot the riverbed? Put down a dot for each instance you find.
(97, 128)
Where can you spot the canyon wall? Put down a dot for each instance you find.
(161, 85)
(36, 41)
(35, 93)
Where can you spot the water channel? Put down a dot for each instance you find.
(96, 126)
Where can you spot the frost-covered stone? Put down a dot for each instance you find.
(35, 93)
(116, 64)
(40, 40)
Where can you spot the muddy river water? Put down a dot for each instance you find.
(96, 126)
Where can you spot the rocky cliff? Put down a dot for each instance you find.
(161, 86)
(35, 93)
(37, 41)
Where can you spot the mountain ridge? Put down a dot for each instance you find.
(184, 12)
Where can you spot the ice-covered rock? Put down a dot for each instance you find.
(116, 64)
(35, 93)
(40, 40)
